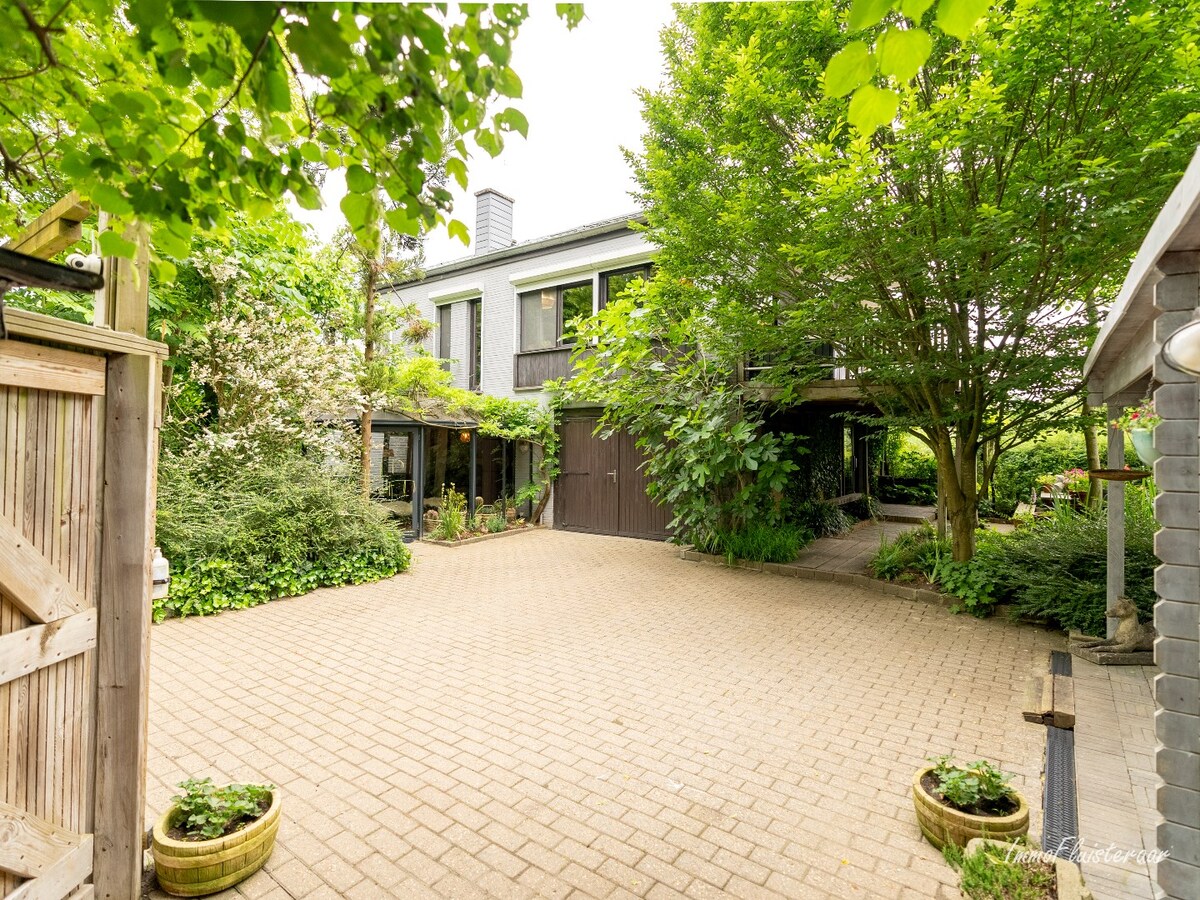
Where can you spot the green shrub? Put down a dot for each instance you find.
(911, 553)
(452, 519)
(995, 874)
(1056, 567)
(242, 535)
(819, 517)
(972, 583)
(978, 787)
(759, 543)
(207, 812)
(864, 508)
(495, 524)
(1018, 469)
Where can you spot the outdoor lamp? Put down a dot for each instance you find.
(464, 436)
(1182, 349)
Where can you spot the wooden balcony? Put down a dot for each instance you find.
(534, 368)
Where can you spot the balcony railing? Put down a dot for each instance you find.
(533, 368)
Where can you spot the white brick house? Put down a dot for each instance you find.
(503, 314)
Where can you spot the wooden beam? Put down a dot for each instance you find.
(1063, 714)
(50, 369)
(45, 235)
(24, 652)
(61, 878)
(834, 390)
(123, 648)
(123, 304)
(29, 845)
(50, 240)
(37, 588)
(1032, 707)
(29, 271)
(59, 331)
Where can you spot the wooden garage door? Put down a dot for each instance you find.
(602, 488)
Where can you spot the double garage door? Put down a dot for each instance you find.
(601, 487)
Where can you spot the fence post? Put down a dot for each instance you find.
(124, 601)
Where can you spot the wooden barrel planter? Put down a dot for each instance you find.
(197, 868)
(942, 824)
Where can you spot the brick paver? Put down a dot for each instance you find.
(561, 715)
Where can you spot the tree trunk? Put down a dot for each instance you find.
(365, 451)
(1092, 445)
(958, 467)
(368, 357)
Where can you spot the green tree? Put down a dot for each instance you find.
(173, 112)
(372, 324)
(951, 256)
(659, 371)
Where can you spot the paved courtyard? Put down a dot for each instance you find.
(562, 715)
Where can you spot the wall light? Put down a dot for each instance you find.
(1182, 349)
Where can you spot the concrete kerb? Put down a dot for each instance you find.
(482, 537)
(865, 581)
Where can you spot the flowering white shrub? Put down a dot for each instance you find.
(277, 386)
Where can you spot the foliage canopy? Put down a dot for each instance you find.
(957, 258)
(173, 112)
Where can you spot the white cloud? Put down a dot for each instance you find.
(579, 99)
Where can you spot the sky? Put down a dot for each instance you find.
(579, 99)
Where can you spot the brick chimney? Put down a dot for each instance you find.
(493, 221)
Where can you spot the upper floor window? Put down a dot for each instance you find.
(444, 332)
(475, 359)
(614, 284)
(548, 316)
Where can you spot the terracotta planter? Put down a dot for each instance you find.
(1143, 443)
(197, 868)
(943, 825)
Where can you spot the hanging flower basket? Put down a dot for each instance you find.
(1143, 443)
(1139, 423)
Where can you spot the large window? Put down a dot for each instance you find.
(614, 284)
(548, 316)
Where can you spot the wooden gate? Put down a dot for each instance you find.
(49, 575)
(78, 450)
(602, 486)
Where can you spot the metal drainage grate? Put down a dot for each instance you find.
(1060, 816)
(1060, 663)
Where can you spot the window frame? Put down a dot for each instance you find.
(445, 348)
(558, 313)
(474, 343)
(646, 270)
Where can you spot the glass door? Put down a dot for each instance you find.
(394, 482)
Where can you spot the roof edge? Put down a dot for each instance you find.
(562, 238)
(1181, 207)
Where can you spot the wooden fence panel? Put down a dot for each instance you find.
(51, 404)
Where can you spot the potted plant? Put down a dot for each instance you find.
(213, 837)
(1139, 423)
(957, 803)
(1071, 485)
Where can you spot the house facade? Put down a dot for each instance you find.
(503, 318)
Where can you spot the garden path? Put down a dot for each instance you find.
(1116, 780)
(566, 715)
(850, 552)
